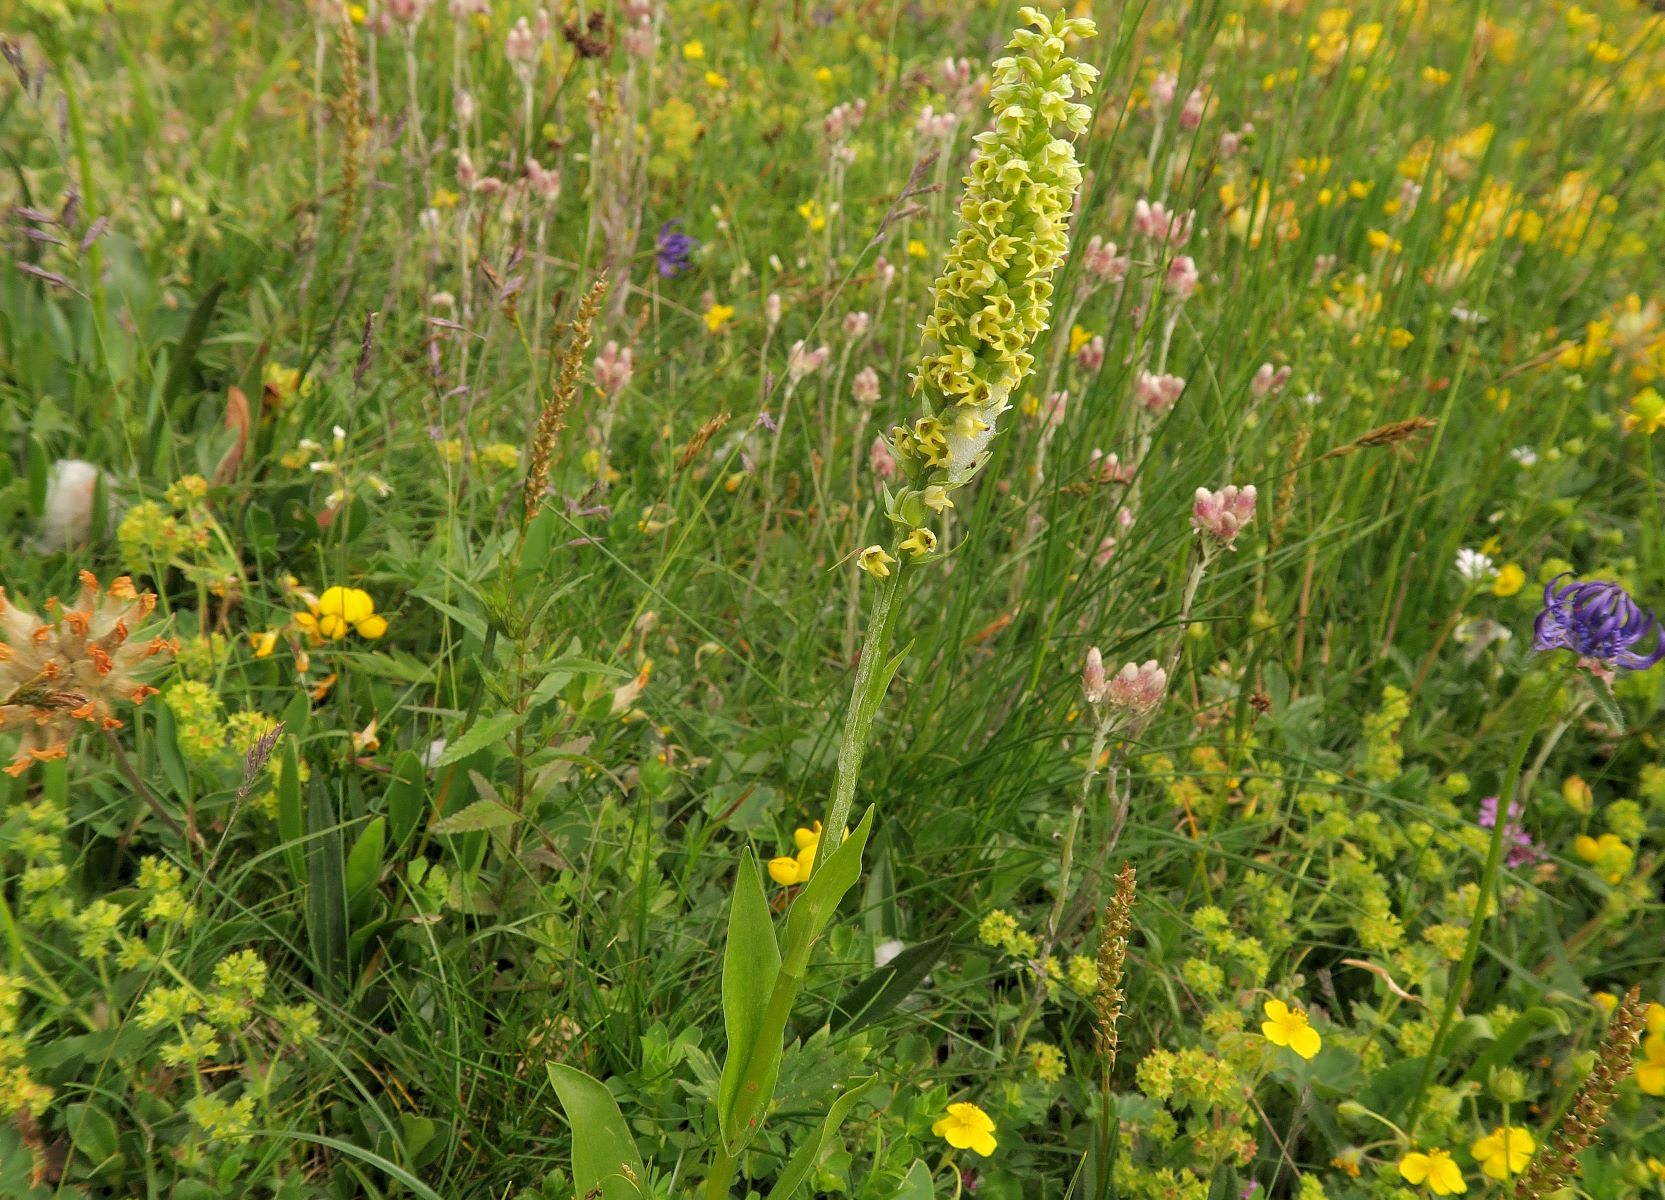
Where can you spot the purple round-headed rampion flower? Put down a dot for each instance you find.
(674, 249)
(1598, 620)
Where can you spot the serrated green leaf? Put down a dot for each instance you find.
(477, 817)
(486, 732)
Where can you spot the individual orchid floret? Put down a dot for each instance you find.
(1218, 517)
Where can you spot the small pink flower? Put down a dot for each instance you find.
(1093, 681)
(1163, 89)
(838, 123)
(1158, 393)
(881, 460)
(1191, 115)
(771, 309)
(1155, 221)
(520, 47)
(1231, 141)
(613, 369)
(1137, 689)
(856, 324)
(1268, 380)
(933, 126)
(1220, 516)
(1057, 404)
(865, 387)
(884, 272)
(1102, 263)
(802, 361)
(1105, 552)
(1091, 356)
(1108, 468)
(547, 184)
(1182, 278)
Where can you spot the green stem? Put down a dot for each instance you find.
(872, 681)
(762, 1060)
(1488, 883)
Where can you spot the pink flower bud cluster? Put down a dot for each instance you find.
(802, 361)
(1220, 516)
(865, 387)
(838, 123)
(1155, 221)
(613, 369)
(1158, 393)
(1268, 380)
(1102, 263)
(1136, 689)
(1091, 355)
(1108, 468)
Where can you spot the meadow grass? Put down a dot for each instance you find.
(524, 407)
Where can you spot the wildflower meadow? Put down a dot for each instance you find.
(879, 599)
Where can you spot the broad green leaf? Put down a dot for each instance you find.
(803, 1158)
(916, 1184)
(751, 962)
(92, 1133)
(485, 733)
(404, 797)
(605, 1161)
(364, 860)
(888, 986)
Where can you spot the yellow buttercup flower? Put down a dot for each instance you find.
(967, 1127)
(1510, 579)
(693, 51)
(1504, 1151)
(1285, 1026)
(789, 869)
(1436, 1169)
(340, 611)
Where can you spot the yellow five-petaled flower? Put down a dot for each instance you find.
(1436, 1169)
(1650, 1072)
(340, 611)
(967, 1127)
(1504, 1151)
(789, 869)
(1285, 1026)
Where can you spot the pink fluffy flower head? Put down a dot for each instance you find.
(1220, 516)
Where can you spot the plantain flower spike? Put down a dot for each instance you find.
(995, 293)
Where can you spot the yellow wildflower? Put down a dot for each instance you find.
(1510, 579)
(717, 316)
(1436, 1168)
(340, 611)
(1285, 1026)
(875, 562)
(967, 1127)
(1647, 413)
(789, 869)
(1504, 1151)
(693, 51)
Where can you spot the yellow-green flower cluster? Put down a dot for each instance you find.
(199, 723)
(995, 293)
(18, 1091)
